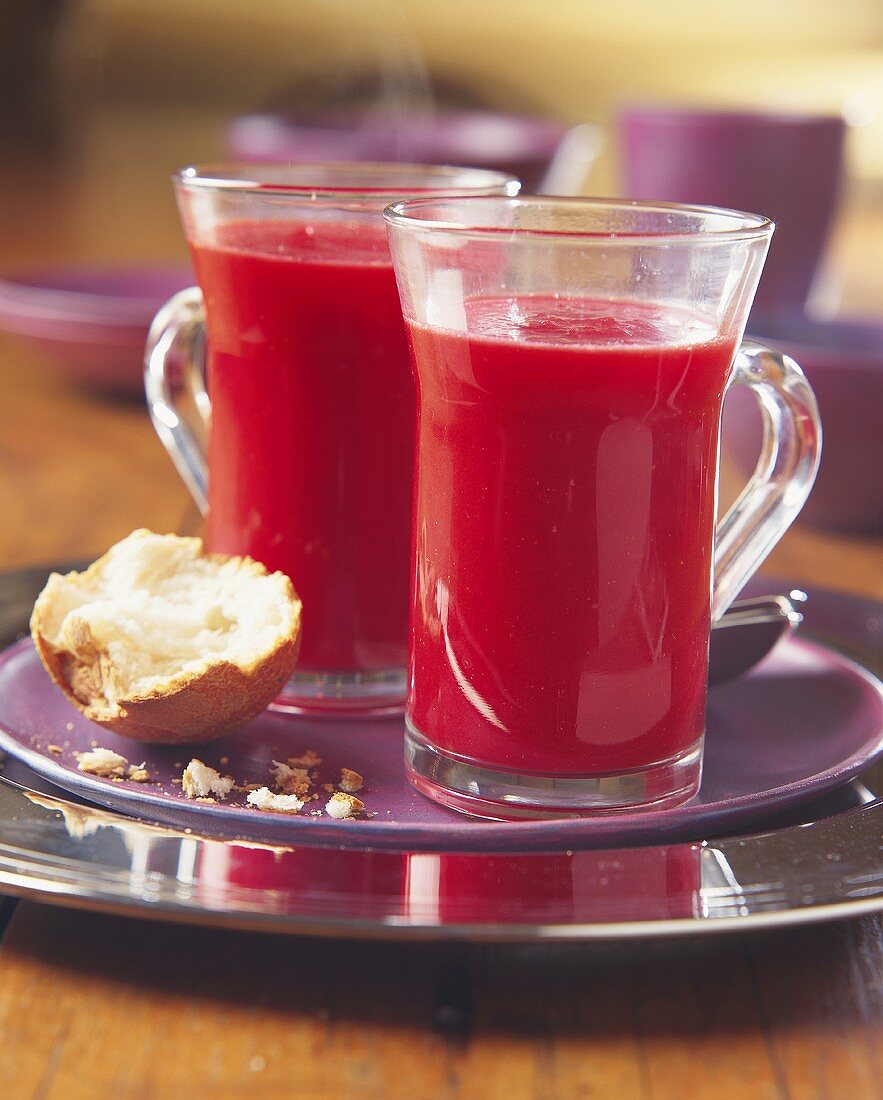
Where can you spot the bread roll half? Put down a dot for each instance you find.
(162, 642)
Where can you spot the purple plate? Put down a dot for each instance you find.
(91, 322)
(804, 721)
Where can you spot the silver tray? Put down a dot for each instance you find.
(818, 863)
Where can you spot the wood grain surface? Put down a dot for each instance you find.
(96, 1006)
(104, 1007)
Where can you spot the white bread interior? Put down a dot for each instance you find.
(159, 641)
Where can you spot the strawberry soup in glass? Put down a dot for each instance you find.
(571, 359)
(295, 352)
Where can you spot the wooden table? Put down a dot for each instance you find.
(97, 1006)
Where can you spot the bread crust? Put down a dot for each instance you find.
(187, 708)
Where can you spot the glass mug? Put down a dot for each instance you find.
(571, 358)
(291, 358)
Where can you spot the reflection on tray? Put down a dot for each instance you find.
(422, 890)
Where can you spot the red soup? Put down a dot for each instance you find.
(566, 456)
(311, 438)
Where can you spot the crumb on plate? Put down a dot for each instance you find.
(341, 806)
(265, 799)
(200, 781)
(103, 762)
(290, 780)
(310, 759)
(350, 781)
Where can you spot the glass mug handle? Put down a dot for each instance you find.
(174, 374)
(785, 472)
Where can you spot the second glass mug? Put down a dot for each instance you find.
(291, 358)
(572, 358)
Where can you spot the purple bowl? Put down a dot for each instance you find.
(844, 363)
(90, 322)
(525, 146)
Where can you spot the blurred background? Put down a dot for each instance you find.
(143, 86)
(100, 100)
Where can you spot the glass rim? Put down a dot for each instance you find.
(441, 180)
(405, 214)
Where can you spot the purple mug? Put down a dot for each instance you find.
(785, 166)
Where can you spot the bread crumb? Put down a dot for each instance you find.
(340, 806)
(199, 780)
(244, 786)
(56, 750)
(290, 780)
(138, 773)
(68, 726)
(225, 760)
(350, 781)
(315, 813)
(310, 759)
(264, 799)
(205, 798)
(329, 787)
(104, 762)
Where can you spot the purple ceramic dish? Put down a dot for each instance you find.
(844, 363)
(804, 722)
(90, 322)
(538, 151)
(786, 166)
